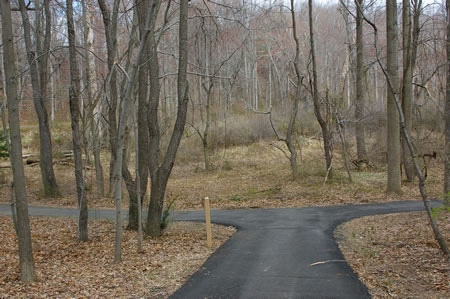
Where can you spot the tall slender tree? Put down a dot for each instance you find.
(407, 94)
(125, 107)
(290, 130)
(91, 90)
(316, 96)
(38, 62)
(360, 100)
(110, 23)
(447, 117)
(160, 169)
(393, 123)
(27, 272)
(74, 96)
(142, 129)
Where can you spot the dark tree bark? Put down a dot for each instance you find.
(142, 112)
(110, 23)
(38, 62)
(160, 173)
(409, 59)
(74, 95)
(447, 118)
(316, 97)
(27, 272)
(393, 123)
(360, 100)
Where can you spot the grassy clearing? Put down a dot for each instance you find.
(247, 176)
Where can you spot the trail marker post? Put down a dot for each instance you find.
(208, 221)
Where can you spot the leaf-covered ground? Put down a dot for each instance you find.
(396, 255)
(69, 268)
(253, 176)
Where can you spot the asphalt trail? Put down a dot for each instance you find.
(272, 254)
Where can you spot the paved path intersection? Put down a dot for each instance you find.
(270, 255)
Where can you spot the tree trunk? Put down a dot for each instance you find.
(348, 69)
(126, 175)
(2, 77)
(290, 131)
(316, 97)
(142, 130)
(124, 112)
(131, 186)
(38, 60)
(91, 88)
(27, 272)
(155, 208)
(205, 137)
(160, 174)
(110, 23)
(447, 118)
(74, 96)
(393, 124)
(360, 100)
(408, 69)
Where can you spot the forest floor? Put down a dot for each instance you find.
(258, 176)
(396, 255)
(68, 268)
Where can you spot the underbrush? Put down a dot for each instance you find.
(253, 174)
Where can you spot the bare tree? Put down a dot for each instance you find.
(360, 100)
(142, 131)
(152, 12)
(393, 124)
(38, 62)
(316, 96)
(91, 90)
(110, 24)
(290, 130)
(410, 37)
(397, 104)
(74, 95)
(447, 117)
(27, 272)
(160, 169)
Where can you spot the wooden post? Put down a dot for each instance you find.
(208, 222)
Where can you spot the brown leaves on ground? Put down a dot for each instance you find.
(69, 268)
(396, 255)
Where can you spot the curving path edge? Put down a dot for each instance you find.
(273, 252)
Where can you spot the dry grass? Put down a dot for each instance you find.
(396, 255)
(69, 268)
(251, 176)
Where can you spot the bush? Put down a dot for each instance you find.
(241, 130)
